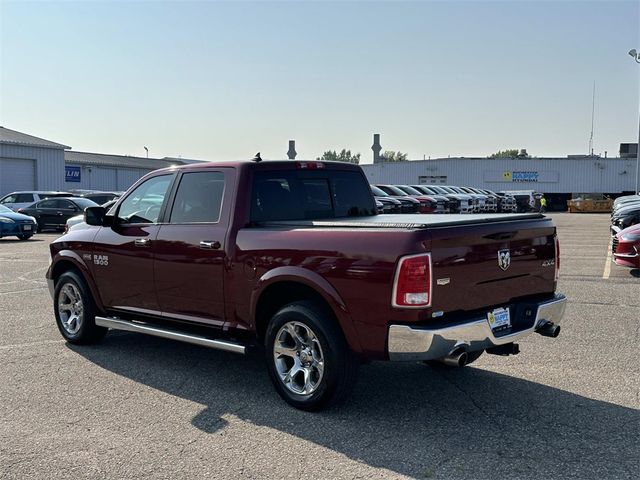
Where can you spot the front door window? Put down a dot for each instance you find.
(144, 204)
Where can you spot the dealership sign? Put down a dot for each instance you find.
(520, 176)
(72, 174)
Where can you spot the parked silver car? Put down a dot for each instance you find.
(17, 200)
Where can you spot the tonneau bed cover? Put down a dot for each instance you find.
(419, 221)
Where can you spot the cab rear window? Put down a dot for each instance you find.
(308, 195)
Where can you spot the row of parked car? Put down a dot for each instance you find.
(22, 214)
(441, 199)
(625, 229)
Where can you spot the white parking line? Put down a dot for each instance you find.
(23, 291)
(32, 344)
(607, 263)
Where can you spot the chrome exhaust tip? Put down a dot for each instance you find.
(549, 329)
(457, 358)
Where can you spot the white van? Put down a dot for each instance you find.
(16, 200)
(525, 199)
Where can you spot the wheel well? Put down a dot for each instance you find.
(64, 266)
(276, 296)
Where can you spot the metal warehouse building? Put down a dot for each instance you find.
(586, 174)
(29, 163)
(33, 163)
(559, 179)
(98, 171)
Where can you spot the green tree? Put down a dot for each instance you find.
(508, 153)
(391, 156)
(343, 156)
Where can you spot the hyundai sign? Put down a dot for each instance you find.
(72, 174)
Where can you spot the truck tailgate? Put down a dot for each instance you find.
(491, 264)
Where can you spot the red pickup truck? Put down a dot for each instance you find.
(291, 257)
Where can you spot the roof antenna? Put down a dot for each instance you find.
(257, 158)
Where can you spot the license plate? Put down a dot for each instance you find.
(499, 319)
(26, 227)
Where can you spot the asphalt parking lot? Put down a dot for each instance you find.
(142, 407)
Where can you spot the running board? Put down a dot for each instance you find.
(118, 324)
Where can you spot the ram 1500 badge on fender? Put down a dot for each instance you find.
(291, 257)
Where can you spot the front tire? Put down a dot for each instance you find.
(75, 310)
(308, 359)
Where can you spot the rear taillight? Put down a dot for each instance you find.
(412, 286)
(557, 262)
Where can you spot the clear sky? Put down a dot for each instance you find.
(223, 80)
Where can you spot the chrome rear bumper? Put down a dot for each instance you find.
(419, 343)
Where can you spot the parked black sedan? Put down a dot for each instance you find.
(54, 212)
(626, 216)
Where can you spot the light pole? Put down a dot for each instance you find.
(636, 57)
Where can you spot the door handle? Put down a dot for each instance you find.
(210, 245)
(142, 242)
(59, 213)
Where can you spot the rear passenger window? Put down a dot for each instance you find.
(199, 198)
(24, 198)
(48, 204)
(66, 204)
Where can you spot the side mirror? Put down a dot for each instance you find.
(96, 216)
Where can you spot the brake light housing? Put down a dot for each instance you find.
(310, 165)
(412, 285)
(557, 262)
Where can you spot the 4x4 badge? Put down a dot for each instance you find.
(504, 259)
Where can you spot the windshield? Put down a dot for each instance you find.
(84, 203)
(377, 192)
(395, 190)
(4, 209)
(436, 189)
(410, 190)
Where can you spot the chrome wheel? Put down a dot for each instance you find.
(70, 308)
(298, 358)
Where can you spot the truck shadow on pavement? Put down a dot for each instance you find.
(407, 418)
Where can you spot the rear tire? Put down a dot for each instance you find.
(308, 359)
(75, 310)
